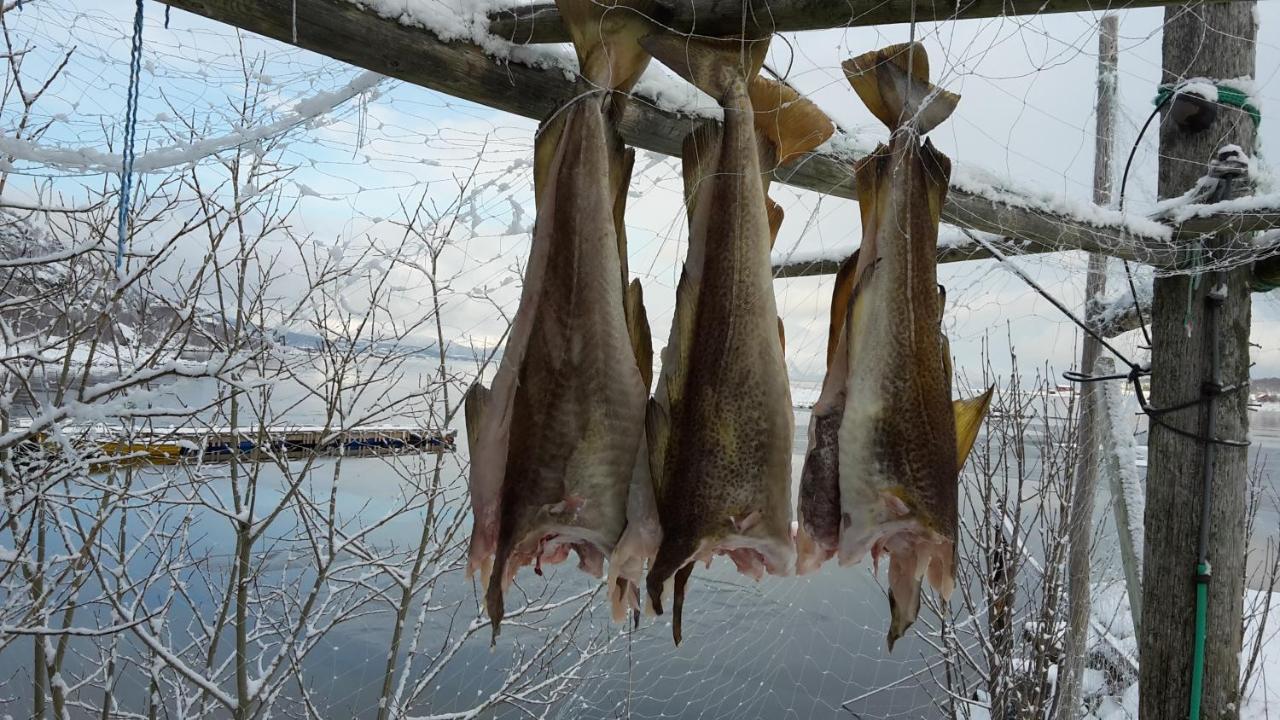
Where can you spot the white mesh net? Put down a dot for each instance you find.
(396, 219)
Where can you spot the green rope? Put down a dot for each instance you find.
(1265, 276)
(1226, 96)
(1197, 662)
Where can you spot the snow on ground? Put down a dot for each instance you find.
(1262, 701)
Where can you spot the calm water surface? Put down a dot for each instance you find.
(780, 648)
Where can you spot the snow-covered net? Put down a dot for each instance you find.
(420, 206)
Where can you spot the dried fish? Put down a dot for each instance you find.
(557, 438)
(719, 427)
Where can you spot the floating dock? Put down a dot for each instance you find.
(221, 444)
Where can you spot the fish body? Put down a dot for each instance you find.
(639, 543)
(719, 427)
(558, 436)
(885, 414)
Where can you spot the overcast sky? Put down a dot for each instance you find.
(1027, 108)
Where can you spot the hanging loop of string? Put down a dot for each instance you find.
(130, 131)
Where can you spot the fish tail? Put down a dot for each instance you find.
(792, 124)
(606, 35)
(893, 83)
(713, 65)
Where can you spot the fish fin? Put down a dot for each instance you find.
(872, 180)
(946, 344)
(677, 613)
(840, 306)
(946, 361)
(473, 407)
(606, 35)
(640, 540)
(969, 415)
(675, 356)
(699, 157)
(775, 219)
(656, 429)
(638, 330)
(711, 64)
(859, 291)
(809, 554)
(620, 600)
(937, 172)
(545, 142)
(893, 83)
(791, 123)
(622, 161)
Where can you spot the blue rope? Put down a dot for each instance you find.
(130, 130)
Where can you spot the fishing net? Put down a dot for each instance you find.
(358, 159)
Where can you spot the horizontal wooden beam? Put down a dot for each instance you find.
(956, 252)
(541, 23)
(344, 31)
(1266, 271)
(1240, 222)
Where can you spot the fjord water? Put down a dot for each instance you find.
(783, 647)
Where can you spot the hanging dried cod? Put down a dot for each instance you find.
(719, 428)
(555, 441)
(886, 443)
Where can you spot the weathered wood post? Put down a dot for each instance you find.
(1080, 532)
(1118, 464)
(1214, 42)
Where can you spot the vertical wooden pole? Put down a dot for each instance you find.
(1118, 465)
(1080, 530)
(1213, 42)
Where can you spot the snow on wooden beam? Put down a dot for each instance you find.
(949, 253)
(541, 23)
(1120, 314)
(345, 31)
(1241, 222)
(1197, 226)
